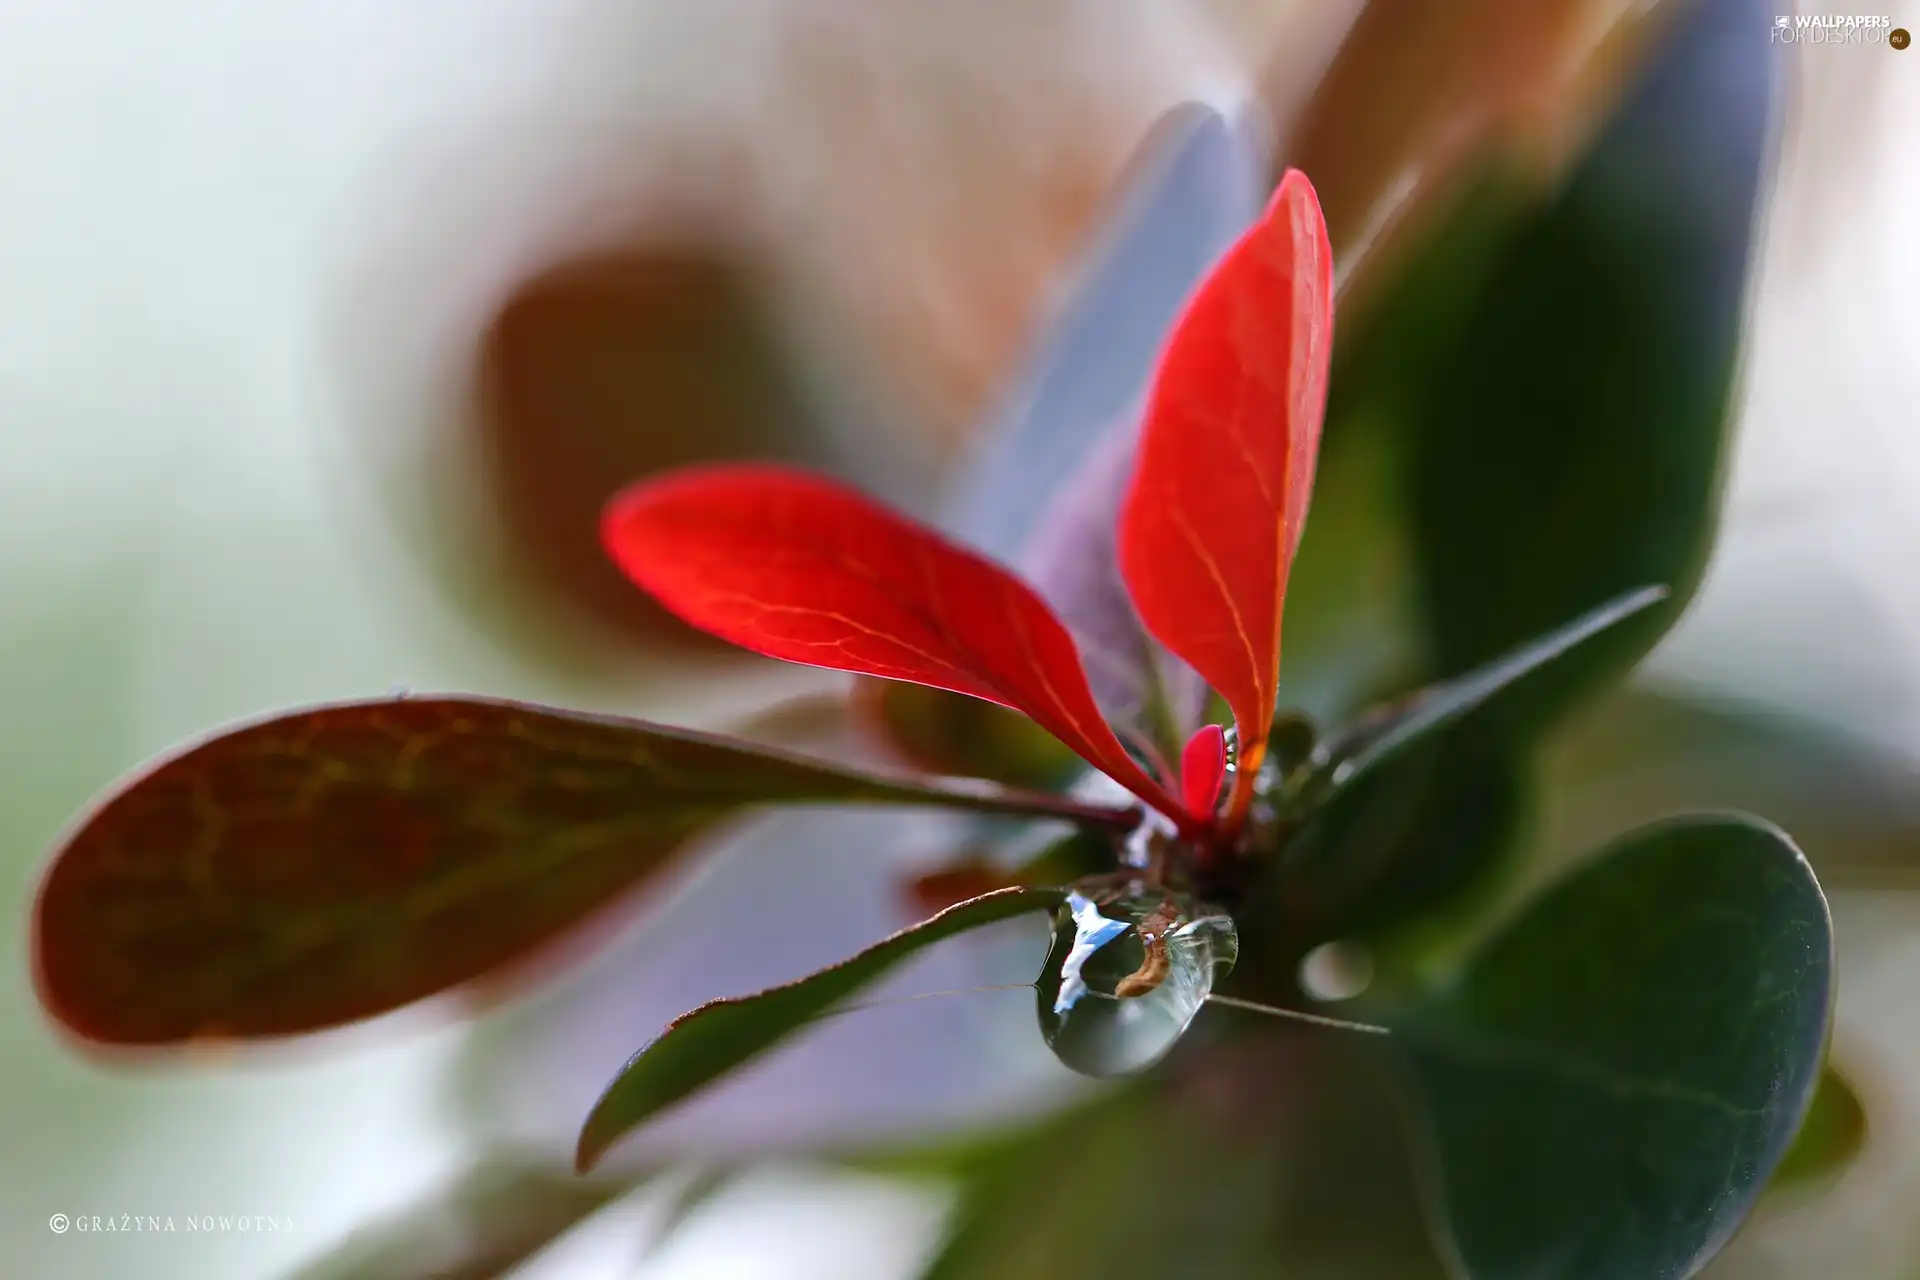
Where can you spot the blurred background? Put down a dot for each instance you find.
(325, 328)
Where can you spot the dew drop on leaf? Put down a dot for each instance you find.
(1127, 972)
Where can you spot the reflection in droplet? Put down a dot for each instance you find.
(1126, 975)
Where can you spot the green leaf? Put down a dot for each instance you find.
(1382, 733)
(1405, 854)
(483, 1225)
(698, 1047)
(1352, 617)
(1570, 439)
(1609, 1083)
(1831, 1136)
(335, 863)
(1278, 1157)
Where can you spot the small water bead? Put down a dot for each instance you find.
(1148, 841)
(1128, 970)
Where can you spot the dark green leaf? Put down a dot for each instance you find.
(482, 1226)
(1831, 1136)
(1380, 734)
(700, 1046)
(338, 862)
(1570, 441)
(1608, 1085)
(1422, 838)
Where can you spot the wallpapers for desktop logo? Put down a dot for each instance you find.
(1832, 28)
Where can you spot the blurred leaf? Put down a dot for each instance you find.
(1355, 625)
(1035, 855)
(1637, 755)
(1610, 1082)
(954, 883)
(1352, 622)
(482, 1226)
(714, 1039)
(1422, 90)
(1276, 1158)
(700, 1189)
(1379, 735)
(1194, 186)
(1830, 1137)
(1569, 442)
(951, 733)
(1073, 1198)
(816, 724)
(335, 863)
(1412, 844)
(606, 368)
(1074, 561)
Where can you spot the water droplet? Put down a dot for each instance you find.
(1148, 841)
(1128, 971)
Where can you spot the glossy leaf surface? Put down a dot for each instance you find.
(700, 1046)
(1225, 465)
(1612, 1080)
(339, 862)
(796, 567)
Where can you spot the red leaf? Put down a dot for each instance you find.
(338, 862)
(1203, 766)
(797, 567)
(1225, 467)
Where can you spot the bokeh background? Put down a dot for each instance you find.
(321, 325)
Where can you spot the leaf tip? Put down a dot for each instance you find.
(587, 1151)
